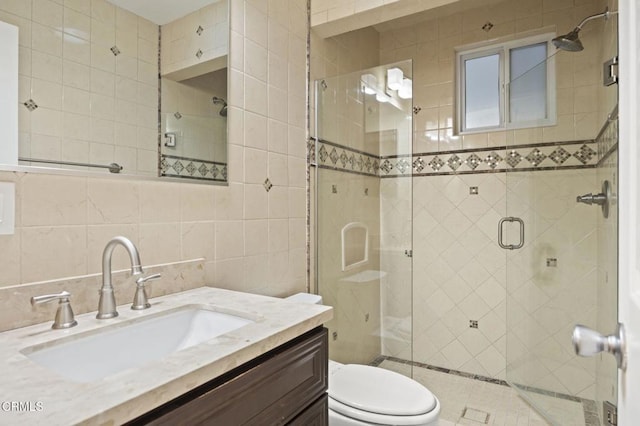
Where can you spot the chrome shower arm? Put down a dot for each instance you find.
(604, 15)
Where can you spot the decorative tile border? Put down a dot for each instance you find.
(548, 156)
(589, 407)
(607, 139)
(192, 168)
(338, 157)
(376, 362)
(531, 157)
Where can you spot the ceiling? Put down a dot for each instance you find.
(162, 11)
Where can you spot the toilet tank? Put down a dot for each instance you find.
(313, 299)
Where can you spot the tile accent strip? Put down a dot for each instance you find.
(531, 157)
(192, 168)
(607, 139)
(589, 407)
(338, 157)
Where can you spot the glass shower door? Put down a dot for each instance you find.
(565, 272)
(363, 211)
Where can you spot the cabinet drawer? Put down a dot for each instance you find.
(272, 389)
(316, 415)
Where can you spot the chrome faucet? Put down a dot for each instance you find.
(107, 303)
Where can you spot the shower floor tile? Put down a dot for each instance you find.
(504, 405)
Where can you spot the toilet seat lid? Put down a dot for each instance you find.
(380, 391)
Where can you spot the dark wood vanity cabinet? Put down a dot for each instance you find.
(286, 385)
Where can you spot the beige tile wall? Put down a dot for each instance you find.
(430, 42)
(332, 17)
(181, 41)
(252, 240)
(93, 106)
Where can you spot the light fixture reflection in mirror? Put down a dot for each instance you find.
(90, 94)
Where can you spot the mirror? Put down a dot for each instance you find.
(137, 87)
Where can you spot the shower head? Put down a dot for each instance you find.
(571, 41)
(219, 101)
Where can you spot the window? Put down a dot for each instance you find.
(505, 86)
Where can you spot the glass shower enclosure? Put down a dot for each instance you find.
(364, 213)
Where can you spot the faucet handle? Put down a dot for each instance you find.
(140, 300)
(64, 314)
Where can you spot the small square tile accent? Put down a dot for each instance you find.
(402, 165)
(164, 165)
(559, 155)
(30, 105)
(191, 168)
(199, 53)
(536, 157)
(493, 160)
(333, 156)
(199, 30)
(178, 167)
(454, 162)
(386, 166)
(473, 161)
(487, 26)
(513, 158)
(323, 154)
(436, 164)
(418, 165)
(267, 185)
(344, 159)
(177, 115)
(115, 50)
(584, 154)
(473, 190)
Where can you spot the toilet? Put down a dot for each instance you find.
(365, 395)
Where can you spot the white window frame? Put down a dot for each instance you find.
(503, 49)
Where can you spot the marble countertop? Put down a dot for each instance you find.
(47, 398)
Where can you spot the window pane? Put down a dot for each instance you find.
(528, 88)
(482, 92)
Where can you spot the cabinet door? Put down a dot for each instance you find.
(316, 415)
(272, 390)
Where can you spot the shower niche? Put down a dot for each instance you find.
(355, 245)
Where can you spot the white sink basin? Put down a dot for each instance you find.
(119, 347)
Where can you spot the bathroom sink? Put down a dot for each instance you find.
(85, 358)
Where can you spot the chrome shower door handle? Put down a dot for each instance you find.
(500, 226)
